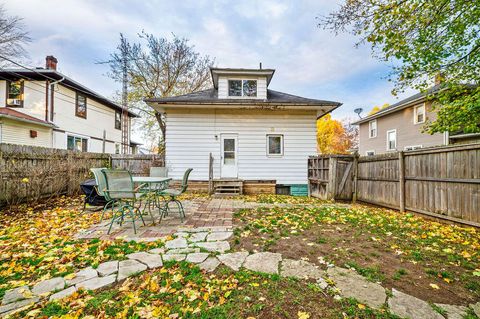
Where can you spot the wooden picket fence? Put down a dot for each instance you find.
(28, 173)
(442, 182)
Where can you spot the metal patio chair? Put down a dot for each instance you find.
(121, 189)
(172, 195)
(101, 187)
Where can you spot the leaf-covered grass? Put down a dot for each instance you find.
(37, 243)
(182, 290)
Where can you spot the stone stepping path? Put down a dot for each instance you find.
(207, 247)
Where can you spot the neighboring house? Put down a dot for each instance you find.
(253, 133)
(43, 107)
(399, 127)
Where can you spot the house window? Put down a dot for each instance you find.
(419, 114)
(118, 120)
(391, 140)
(372, 129)
(78, 144)
(242, 88)
(15, 93)
(81, 106)
(274, 145)
(117, 148)
(370, 153)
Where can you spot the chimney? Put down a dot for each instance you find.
(439, 78)
(51, 62)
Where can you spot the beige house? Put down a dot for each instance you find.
(399, 127)
(43, 107)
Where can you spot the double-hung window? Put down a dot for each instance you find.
(81, 106)
(118, 120)
(391, 140)
(247, 88)
(274, 145)
(15, 93)
(372, 129)
(419, 114)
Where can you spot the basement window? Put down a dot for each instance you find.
(274, 145)
(246, 88)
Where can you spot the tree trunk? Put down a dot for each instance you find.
(163, 128)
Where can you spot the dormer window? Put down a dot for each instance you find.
(246, 88)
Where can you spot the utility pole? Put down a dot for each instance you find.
(125, 118)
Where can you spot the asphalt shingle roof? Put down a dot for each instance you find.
(210, 96)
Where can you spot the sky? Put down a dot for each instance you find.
(283, 35)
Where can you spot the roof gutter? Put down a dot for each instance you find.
(14, 118)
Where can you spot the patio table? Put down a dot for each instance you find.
(152, 181)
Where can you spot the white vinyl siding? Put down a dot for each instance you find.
(193, 134)
(223, 87)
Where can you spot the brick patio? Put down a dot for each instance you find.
(210, 213)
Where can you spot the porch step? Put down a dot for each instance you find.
(228, 187)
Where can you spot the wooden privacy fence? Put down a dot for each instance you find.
(441, 182)
(28, 173)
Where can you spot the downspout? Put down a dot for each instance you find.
(52, 96)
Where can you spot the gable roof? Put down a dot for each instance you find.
(19, 116)
(215, 72)
(210, 96)
(45, 74)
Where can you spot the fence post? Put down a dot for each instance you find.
(210, 174)
(401, 176)
(332, 178)
(355, 177)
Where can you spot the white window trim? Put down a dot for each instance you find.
(415, 117)
(396, 142)
(370, 128)
(281, 145)
(413, 147)
(241, 96)
(370, 151)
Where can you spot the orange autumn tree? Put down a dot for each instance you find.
(331, 136)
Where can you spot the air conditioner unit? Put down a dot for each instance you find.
(15, 102)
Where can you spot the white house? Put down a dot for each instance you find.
(43, 107)
(253, 133)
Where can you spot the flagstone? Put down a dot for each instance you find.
(16, 294)
(218, 236)
(176, 243)
(233, 260)
(196, 237)
(196, 258)
(151, 260)
(353, 285)
(453, 311)
(216, 246)
(49, 285)
(82, 275)
(108, 268)
(63, 293)
(263, 262)
(300, 269)
(176, 257)
(14, 306)
(127, 268)
(210, 264)
(97, 282)
(407, 306)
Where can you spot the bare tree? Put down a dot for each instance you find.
(159, 67)
(12, 36)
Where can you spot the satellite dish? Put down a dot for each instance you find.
(358, 111)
